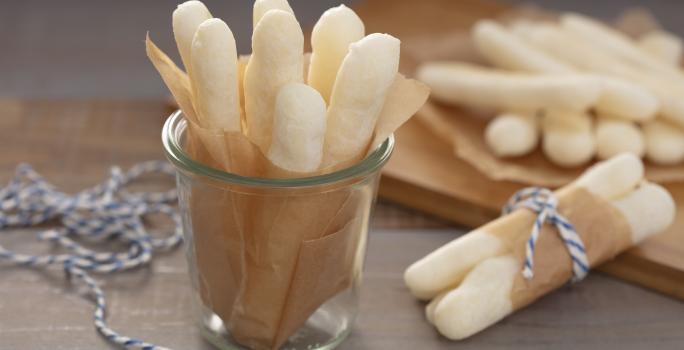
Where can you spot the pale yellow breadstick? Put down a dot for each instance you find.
(664, 142)
(614, 136)
(505, 50)
(214, 78)
(571, 49)
(298, 129)
(484, 296)
(186, 18)
(358, 95)
(662, 45)
(430, 308)
(262, 6)
(623, 99)
(337, 28)
(277, 59)
(613, 178)
(469, 85)
(568, 138)
(512, 134)
(607, 39)
(448, 265)
(666, 78)
(619, 97)
(480, 301)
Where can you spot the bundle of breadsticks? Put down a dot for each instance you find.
(477, 280)
(577, 86)
(268, 258)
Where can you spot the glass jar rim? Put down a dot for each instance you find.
(176, 125)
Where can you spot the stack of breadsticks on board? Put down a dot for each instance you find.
(303, 120)
(577, 86)
(476, 280)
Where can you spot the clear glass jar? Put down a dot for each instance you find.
(274, 263)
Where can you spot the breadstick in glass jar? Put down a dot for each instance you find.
(214, 76)
(298, 129)
(337, 28)
(358, 95)
(277, 60)
(186, 18)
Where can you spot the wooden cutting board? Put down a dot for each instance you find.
(424, 173)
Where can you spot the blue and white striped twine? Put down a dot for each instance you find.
(104, 213)
(544, 203)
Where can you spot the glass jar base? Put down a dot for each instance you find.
(308, 337)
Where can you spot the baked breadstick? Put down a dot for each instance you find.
(604, 38)
(615, 136)
(649, 210)
(663, 78)
(186, 18)
(337, 28)
(613, 179)
(214, 78)
(626, 100)
(619, 98)
(512, 134)
(277, 49)
(482, 299)
(569, 48)
(298, 129)
(662, 45)
(568, 138)
(505, 50)
(358, 96)
(447, 266)
(432, 305)
(464, 84)
(664, 142)
(262, 6)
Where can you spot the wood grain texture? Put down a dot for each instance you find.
(74, 143)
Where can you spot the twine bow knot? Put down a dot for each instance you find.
(544, 204)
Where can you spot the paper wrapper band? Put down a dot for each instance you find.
(603, 229)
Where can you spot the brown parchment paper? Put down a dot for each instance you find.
(603, 229)
(464, 129)
(267, 259)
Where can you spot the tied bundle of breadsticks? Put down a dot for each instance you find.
(479, 278)
(577, 86)
(267, 259)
